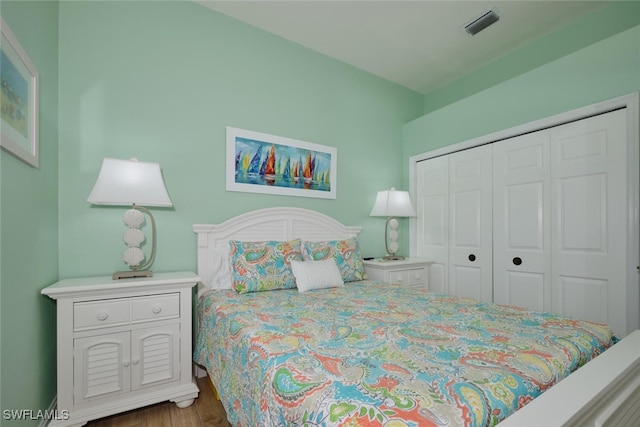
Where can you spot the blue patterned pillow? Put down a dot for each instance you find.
(263, 266)
(346, 253)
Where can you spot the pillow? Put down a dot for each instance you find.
(263, 266)
(222, 270)
(346, 254)
(312, 275)
(221, 266)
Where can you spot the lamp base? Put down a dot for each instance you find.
(393, 257)
(131, 274)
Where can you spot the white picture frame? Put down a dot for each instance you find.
(261, 163)
(19, 99)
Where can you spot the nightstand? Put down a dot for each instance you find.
(122, 344)
(409, 271)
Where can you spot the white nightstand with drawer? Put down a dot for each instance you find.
(409, 271)
(122, 344)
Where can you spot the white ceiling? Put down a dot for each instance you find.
(418, 44)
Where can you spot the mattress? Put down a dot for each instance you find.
(378, 354)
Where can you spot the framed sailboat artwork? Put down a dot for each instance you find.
(262, 163)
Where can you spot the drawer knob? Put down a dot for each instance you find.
(156, 309)
(102, 316)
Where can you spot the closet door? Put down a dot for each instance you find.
(432, 209)
(470, 232)
(522, 226)
(589, 192)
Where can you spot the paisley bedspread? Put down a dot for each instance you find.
(374, 354)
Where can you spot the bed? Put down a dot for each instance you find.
(376, 354)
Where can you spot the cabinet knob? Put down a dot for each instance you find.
(102, 316)
(156, 309)
(517, 261)
(472, 257)
(126, 363)
(135, 361)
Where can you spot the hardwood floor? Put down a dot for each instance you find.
(206, 411)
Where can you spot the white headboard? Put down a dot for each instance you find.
(263, 224)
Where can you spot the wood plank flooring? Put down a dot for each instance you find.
(206, 411)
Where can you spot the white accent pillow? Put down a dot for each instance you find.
(221, 266)
(312, 275)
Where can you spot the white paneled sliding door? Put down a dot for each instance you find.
(470, 231)
(454, 222)
(521, 218)
(432, 211)
(589, 193)
(545, 220)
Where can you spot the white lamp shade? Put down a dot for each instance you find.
(393, 203)
(129, 182)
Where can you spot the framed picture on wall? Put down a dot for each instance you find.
(263, 163)
(18, 99)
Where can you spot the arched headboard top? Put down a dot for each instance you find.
(280, 223)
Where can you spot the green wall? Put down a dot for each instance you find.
(603, 70)
(615, 18)
(29, 228)
(160, 81)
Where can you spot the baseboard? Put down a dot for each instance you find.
(52, 407)
(200, 371)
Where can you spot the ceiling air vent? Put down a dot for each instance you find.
(481, 22)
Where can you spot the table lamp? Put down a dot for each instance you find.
(136, 184)
(392, 204)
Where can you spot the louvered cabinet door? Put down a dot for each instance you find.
(101, 366)
(155, 356)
